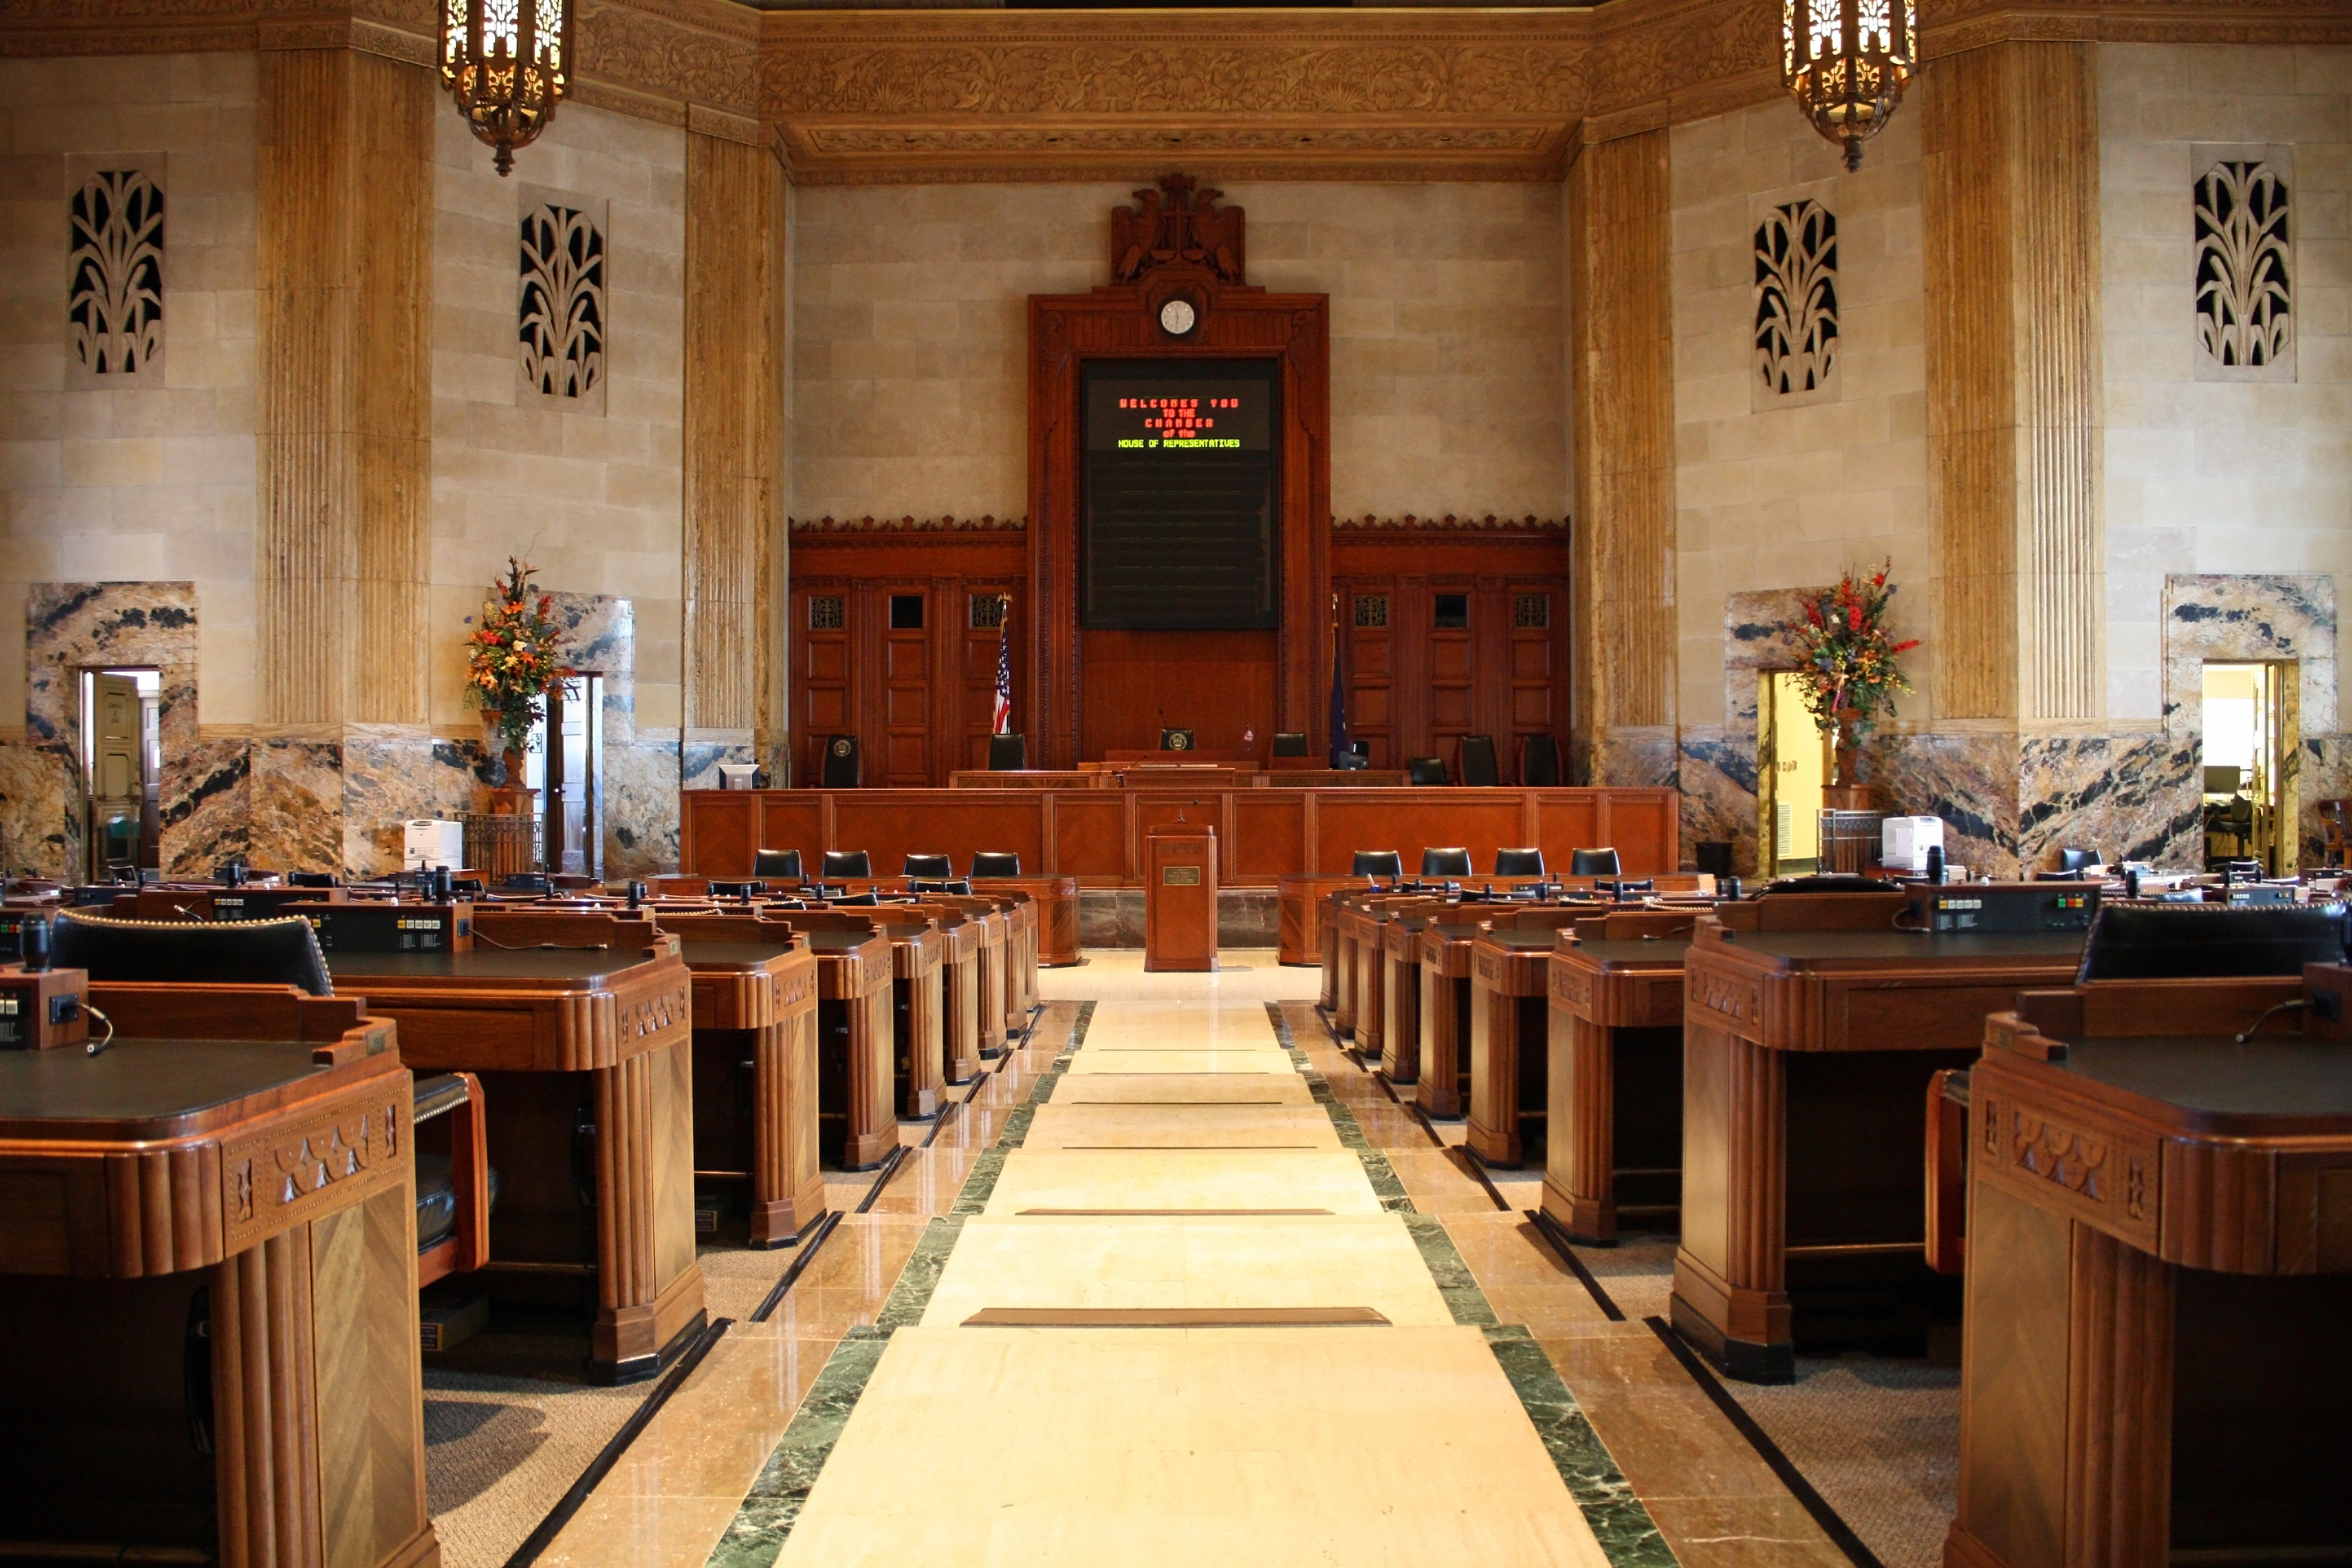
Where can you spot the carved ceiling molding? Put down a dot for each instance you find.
(944, 524)
(1449, 523)
(934, 95)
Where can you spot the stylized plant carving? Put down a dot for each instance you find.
(116, 303)
(2245, 308)
(1796, 297)
(563, 310)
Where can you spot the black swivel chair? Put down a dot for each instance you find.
(1445, 863)
(844, 863)
(309, 879)
(283, 951)
(2166, 941)
(1008, 753)
(857, 899)
(1290, 742)
(1350, 762)
(938, 868)
(782, 864)
(1478, 765)
(995, 863)
(1594, 863)
(1380, 863)
(1519, 863)
(1539, 761)
(1425, 770)
(2078, 859)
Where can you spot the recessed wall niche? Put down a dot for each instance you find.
(560, 312)
(2242, 223)
(114, 304)
(1796, 320)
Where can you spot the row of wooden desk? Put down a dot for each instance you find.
(2158, 1231)
(208, 1264)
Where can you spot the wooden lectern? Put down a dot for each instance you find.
(1179, 897)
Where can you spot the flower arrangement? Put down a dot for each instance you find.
(1848, 654)
(515, 656)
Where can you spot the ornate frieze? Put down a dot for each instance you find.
(1449, 523)
(942, 525)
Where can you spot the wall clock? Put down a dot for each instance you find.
(1176, 318)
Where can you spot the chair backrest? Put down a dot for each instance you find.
(1290, 742)
(1008, 753)
(1378, 863)
(1176, 740)
(525, 882)
(2078, 859)
(1519, 863)
(1426, 770)
(2169, 941)
(1539, 761)
(1445, 863)
(1601, 862)
(2242, 811)
(309, 879)
(857, 899)
(848, 863)
(781, 863)
(283, 951)
(1350, 762)
(936, 867)
(958, 885)
(1478, 765)
(1830, 883)
(995, 863)
(843, 765)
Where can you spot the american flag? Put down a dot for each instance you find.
(1004, 668)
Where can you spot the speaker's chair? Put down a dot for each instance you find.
(1290, 742)
(2135, 941)
(1176, 740)
(995, 863)
(936, 867)
(842, 767)
(783, 864)
(1519, 863)
(839, 863)
(1539, 762)
(1594, 863)
(283, 951)
(1445, 863)
(1478, 765)
(1008, 753)
(1378, 863)
(1425, 770)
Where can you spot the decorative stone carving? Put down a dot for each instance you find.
(1796, 306)
(560, 313)
(1489, 524)
(943, 524)
(1173, 225)
(2245, 264)
(115, 304)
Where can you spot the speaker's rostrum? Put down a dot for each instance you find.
(1181, 495)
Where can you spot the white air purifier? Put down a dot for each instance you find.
(427, 842)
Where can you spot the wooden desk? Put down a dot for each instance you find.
(988, 989)
(1400, 962)
(2161, 1270)
(961, 935)
(1807, 1055)
(1510, 969)
(856, 1123)
(1615, 1129)
(755, 1006)
(1053, 922)
(578, 1050)
(229, 1213)
(1444, 1087)
(1305, 904)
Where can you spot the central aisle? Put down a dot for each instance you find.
(1181, 1313)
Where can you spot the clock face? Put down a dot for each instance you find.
(1176, 318)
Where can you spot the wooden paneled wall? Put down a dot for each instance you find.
(920, 700)
(1416, 688)
(343, 459)
(734, 434)
(1621, 364)
(2014, 396)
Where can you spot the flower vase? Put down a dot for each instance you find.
(510, 760)
(1845, 791)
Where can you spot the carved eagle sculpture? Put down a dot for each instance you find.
(1172, 224)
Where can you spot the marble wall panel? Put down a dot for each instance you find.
(2134, 797)
(207, 806)
(392, 778)
(1970, 779)
(294, 801)
(641, 809)
(38, 825)
(1634, 758)
(1718, 801)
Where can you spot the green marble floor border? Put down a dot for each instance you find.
(1620, 1520)
(754, 1538)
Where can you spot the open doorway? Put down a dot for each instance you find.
(123, 770)
(1791, 767)
(2248, 807)
(570, 776)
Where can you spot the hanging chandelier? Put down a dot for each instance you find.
(1846, 63)
(507, 63)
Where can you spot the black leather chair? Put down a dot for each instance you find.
(1427, 771)
(1290, 742)
(995, 863)
(782, 864)
(1519, 863)
(1478, 765)
(841, 863)
(2169, 941)
(960, 886)
(1176, 741)
(1008, 753)
(857, 900)
(283, 951)
(1539, 761)
(2078, 859)
(1828, 883)
(1351, 762)
(1378, 863)
(843, 765)
(1445, 863)
(1594, 863)
(938, 867)
(309, 879)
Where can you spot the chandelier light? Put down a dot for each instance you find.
(1846, 63)
(507, 63)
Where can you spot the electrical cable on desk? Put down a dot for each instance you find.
(95, 1047)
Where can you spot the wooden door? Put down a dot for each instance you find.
(118, 775)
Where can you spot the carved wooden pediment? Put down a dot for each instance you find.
(1176, 224)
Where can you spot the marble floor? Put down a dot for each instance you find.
(1179, 1282)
